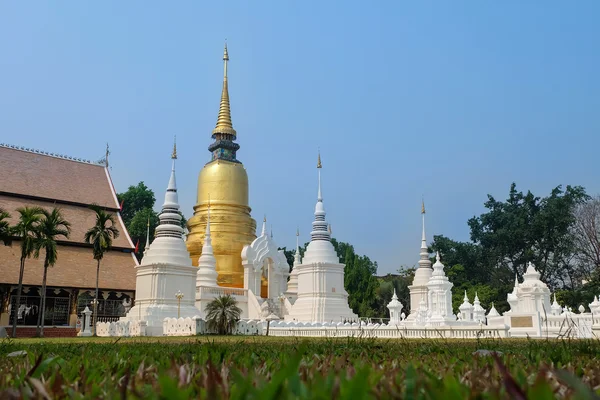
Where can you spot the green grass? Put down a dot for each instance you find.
(282, 368)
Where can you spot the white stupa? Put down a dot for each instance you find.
(478, 310)
(466, 309)
(418, 289)
(321, 293)
(292, 285)
(440, 296)
(532, 295)
(207, 263)
(395, 307)
(165, 270)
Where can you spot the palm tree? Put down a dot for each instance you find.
(100, 236)
(51, 226)
(223, 314)
(29, 219)
(5, 228)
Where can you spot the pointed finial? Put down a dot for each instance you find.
(106, 156)
(264, 227)
(466, 298)
(209, 201)
(174, 153)
(319, 165)
(297, 231)
(437, 256)
(422, 206)
(224, 124)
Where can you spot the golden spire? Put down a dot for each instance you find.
(174, 154)
(422, 206)
(319, 161)
(224, 124)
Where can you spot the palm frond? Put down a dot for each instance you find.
(101, 235)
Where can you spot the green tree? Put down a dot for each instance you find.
(134, 200)
(29, 219)
(138, 228)
(5, 228)
(100, 236)
(527, 228)
(50, 228)
(223, 314)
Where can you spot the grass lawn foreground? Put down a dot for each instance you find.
(288, 368)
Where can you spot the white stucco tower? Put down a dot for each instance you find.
(440, 296)
(292, 285)
(165, 270)
(418, 289)
(321, 293)
(207, 263)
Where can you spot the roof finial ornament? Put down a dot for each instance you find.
(106, 155)
(147, 237)
(174, 153)
(319, 165)
(224, 124)
(422, 206)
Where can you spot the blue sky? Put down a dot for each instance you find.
(446, 100)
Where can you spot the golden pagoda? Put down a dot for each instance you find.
(224, 183)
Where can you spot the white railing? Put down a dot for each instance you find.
(206, 291)
(386, 331)
(121, 328)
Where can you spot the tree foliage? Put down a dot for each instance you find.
(5, 228)
(523, 228)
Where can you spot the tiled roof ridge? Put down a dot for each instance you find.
(55, 155)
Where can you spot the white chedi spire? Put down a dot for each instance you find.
(466, 309)
(493, 312)
(478, 311)
(147, 247)
(168, 246)
(320, 229)
(320, 248)
(424, 261)
(594, 305)
(292, 286)
(207, 263)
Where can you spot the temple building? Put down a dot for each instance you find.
(35, 178)
(223, 182)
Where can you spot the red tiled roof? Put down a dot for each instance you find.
(74, 268)
(32, 174)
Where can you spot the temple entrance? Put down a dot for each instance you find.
(265, 268)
